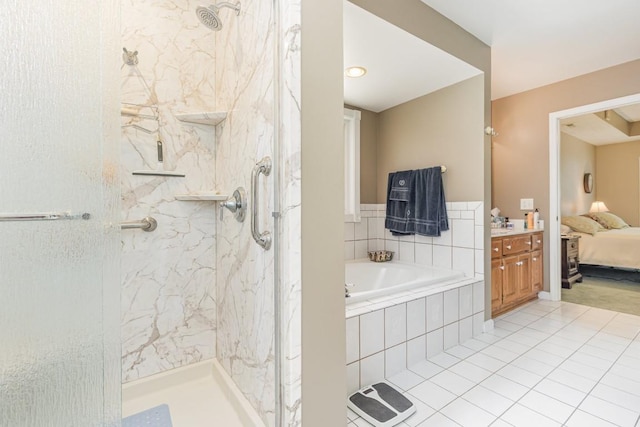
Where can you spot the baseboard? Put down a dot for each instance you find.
(488, 325)
(544, 295)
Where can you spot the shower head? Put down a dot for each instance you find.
(209, 15)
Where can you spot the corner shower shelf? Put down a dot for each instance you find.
(208, 118)
(202, 196)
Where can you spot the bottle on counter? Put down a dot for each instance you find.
(526, 220)
(536, 218)
(531, 224)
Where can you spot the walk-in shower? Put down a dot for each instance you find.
(210, 17)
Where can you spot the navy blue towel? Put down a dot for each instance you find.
(400, 202)
(419, 206)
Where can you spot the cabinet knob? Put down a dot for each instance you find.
(502, 267)
(519, 263)
(496, 249)
(535, 259)
(538, 241)
(528, 243)
(508, 246)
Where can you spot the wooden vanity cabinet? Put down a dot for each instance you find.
(516, 270)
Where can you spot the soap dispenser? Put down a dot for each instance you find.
(536, 219)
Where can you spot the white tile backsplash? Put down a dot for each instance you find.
(361, 248)
(406, 251)
(424, 254)
(349, 250)
(445, 237)
(463, 259)
(466, 231)
(442, 256)
(463, 233)
(349, 231)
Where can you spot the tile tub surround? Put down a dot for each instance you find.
(389, 334)
(460, 248)
(168, 294)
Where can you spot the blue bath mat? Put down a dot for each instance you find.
(154, 417)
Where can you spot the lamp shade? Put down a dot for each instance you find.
(598, 207)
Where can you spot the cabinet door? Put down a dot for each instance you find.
(496, 248)
(496, 284)
(524, 275)
(536, 271)
(510, 276)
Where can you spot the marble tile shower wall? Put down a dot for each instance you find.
(460, 248)
(245, 272)
(168, 297)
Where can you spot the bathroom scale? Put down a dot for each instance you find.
(381, 404)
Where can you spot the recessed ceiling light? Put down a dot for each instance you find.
(355, 71)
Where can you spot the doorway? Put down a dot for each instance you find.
(554, 182)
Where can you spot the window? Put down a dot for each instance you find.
(351, 165)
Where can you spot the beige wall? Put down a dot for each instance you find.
(576, 158)
(368, 154)
(441, 128)
(520, 153)
(616, 180)
(324, 384)
(417, 18)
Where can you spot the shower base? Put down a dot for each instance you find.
(197, 395)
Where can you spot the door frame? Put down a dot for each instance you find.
(555, 289)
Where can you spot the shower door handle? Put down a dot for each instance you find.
(262, 167)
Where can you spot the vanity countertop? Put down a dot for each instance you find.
(503, 232)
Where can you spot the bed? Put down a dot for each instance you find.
(605, 239)
(618, 248)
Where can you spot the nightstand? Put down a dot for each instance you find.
(570, 261)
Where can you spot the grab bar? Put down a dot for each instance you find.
(44, 216)
(262, 167)
(147, 224)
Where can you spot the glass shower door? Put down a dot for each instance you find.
(59, 208)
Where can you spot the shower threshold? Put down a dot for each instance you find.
(197, 395)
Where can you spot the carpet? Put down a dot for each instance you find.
(608, 288)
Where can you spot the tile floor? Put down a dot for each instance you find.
(545, 364)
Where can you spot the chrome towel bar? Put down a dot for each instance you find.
(53, 216)
(146, 224)
(262, 167)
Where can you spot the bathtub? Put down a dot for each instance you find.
(376, 279)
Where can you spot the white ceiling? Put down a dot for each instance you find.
(400, 67)
(592, 129)
(539, 42)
